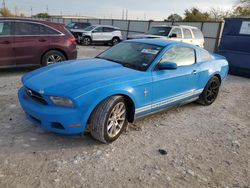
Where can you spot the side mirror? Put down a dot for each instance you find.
(167, 66)
(174, 35)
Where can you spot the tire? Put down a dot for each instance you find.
(51, 57)
(210, 92)
(105, 125)
(86, 41)
(115, 41)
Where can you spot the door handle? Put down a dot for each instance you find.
(5, 42)
(194, 72)
(42, 40)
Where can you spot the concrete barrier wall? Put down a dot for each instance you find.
(211, 30)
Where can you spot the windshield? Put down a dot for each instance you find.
(162, 31)
(89, 28)
(70, 25)
(133, 55)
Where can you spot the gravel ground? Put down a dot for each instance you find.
(205, 146)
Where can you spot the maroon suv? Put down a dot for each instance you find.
(30, 42)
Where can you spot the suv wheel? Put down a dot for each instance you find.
(86, 41)
(115, 41)
(52, 57)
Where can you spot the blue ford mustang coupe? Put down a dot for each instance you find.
(129, 80)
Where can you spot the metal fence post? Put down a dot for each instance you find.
(218, 37)
(128, 28)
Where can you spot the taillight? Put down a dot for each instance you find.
(72, 40)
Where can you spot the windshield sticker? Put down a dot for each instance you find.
(161, 31)
(150, 51)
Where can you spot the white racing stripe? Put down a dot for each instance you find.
(168, 101)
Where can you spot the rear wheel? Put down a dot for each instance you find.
(52, 57)
(109, 119)
(210, 92)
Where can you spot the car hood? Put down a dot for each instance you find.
(143, 36)
(64, 78)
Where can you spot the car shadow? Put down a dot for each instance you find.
(16, 70)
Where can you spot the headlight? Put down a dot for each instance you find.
(61, 101)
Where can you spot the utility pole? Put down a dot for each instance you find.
(16, 11)
(126, 14)
(31, 12)
(47, 9)
(4, 5)
(122, 14)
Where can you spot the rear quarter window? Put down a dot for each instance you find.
(205, 55)
(197, 34)
(187, 33)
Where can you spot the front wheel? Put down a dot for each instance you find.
(86, 41)
(109, 119)
(210, 92)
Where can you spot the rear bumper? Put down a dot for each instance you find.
(53, 118)
(72, 55)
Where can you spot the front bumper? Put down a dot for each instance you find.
(53, 118)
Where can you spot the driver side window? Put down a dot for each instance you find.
(180, 55)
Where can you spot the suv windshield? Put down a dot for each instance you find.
(70, 25)
(89, 28)
(162, 31)
(133, 55)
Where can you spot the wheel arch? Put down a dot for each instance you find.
(218, 76)
(129, 101)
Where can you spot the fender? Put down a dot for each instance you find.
(126, 92)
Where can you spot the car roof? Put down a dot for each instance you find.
(29, 20)
(106, 26)
(159, 42)
(180, 26)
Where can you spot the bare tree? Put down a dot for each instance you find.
(218, 14)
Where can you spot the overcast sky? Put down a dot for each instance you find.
(137, 9)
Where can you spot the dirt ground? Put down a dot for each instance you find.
(206, 146)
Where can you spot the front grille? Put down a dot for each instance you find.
(36, 96)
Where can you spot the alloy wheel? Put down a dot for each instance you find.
(86, 41)
(212, 91)
(116, 119)
(54, 59)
